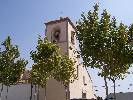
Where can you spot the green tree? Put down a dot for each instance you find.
(105, 44)
(11, 65)
(65, 72)
(1, 73)
(48, 63)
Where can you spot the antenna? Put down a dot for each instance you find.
(61, 14)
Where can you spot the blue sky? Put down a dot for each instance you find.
(24, 20)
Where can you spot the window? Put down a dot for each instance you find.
(83, 95)
(72, 37)
(56, 36)
(84, 81)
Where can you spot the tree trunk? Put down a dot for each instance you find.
(35, 97)
(66, 89)
(38, 93)
(1, 91)
(114, 90)
(6, 92)
(31, 92)
(45, 93)
(106, 85)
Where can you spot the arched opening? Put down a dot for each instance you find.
(56, 35)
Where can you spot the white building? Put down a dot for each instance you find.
(62, 32)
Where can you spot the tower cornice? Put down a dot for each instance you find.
(61, 20)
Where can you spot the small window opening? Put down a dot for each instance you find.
(84, 81)
(72, 37)
(83, 95)
(56, 36)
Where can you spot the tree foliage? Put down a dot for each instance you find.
(65, 71)
(105, 44)
(11, 66)
(48, 63)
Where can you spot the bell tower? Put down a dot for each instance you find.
(56, 31)
(63, 33)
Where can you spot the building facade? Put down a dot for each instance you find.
(63, 32)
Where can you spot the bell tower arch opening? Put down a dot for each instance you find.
(56, 35)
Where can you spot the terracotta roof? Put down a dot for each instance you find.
(61, 20)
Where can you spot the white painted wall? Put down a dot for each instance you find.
(78, 86)
(17, 92)
(54, 91)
